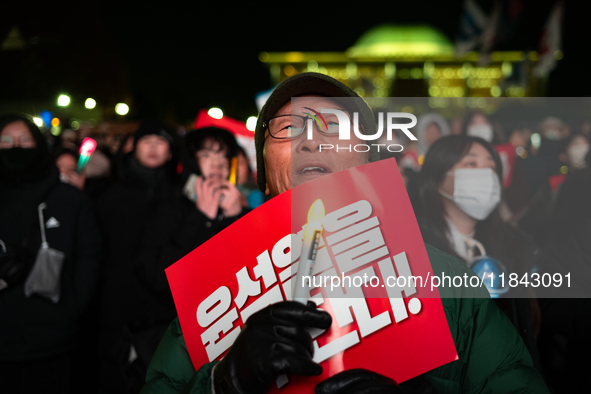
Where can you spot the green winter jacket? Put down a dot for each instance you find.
(492, 355)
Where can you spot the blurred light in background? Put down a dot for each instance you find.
(55, 122)
(215, 113)
(251, 123)
(563, 169)
(312, 65)
(46, 116)
(55, 130)
(507, 69)
(536, 140)
(75, 125)
(38, 121)
(122, 109)
(63, 100)
(90, 103)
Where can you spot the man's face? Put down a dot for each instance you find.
(152, 151)
(291, 162)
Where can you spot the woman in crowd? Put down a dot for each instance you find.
(459, 191)
(47, 232)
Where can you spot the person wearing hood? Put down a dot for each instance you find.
(146, 177)
(46, 228)
(275, 340)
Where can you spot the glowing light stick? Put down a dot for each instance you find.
(233, 170)
(86, 150)
(312, 234)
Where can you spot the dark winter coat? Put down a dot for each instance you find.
(35, 327)
(123, 211)
(132, 316)
(174, 231)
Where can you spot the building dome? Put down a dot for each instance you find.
(395, 40)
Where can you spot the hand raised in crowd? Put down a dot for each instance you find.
(209, 192)
(274, 341)
(231, 202)
(214, 193)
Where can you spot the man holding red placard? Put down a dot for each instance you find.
(275, 340)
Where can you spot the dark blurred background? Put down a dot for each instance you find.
(168, 59)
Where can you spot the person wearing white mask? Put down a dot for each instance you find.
(459, 193)
(478, 125)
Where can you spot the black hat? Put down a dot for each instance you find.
(302, 84)
(148, 127)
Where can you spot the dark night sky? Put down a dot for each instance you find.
(172, 58)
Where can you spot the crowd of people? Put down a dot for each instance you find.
(118, 233)
(84, 298)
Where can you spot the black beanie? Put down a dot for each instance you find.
(303, 84)
(148, 127)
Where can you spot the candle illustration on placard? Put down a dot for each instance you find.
(312, 234)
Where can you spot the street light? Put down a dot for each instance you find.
(90, 103)
(63, 100)
(251, 123)
(122, 109)
(215, 113)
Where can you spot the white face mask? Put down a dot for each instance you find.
(484, 131)
(477, 191)
(576, 155)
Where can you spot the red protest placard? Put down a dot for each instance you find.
(369, 231)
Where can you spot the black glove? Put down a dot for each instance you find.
(358, 381)
(273, 341)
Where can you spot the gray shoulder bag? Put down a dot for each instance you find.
(45, 276)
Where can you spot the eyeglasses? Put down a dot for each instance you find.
(291, 126)
(8, 141)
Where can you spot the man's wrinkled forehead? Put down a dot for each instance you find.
(297, 105)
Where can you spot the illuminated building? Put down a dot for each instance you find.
(414, 61)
